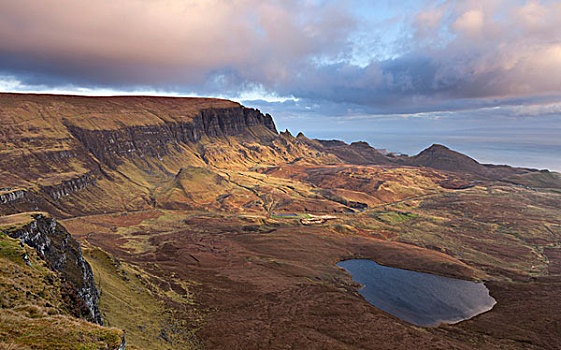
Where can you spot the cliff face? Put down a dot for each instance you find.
(108, 146)
(62, 254)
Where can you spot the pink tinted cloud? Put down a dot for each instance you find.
(499, 48)
(180, 38)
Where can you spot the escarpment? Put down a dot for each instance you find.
(108, 146)
(62, 254)
(76, 155)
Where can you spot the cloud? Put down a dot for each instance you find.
(470, 23)
(443, 55)
(164, 42)
(493, 50)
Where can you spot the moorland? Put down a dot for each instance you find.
(204, 227)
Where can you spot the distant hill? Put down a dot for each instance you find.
(442, 158)
(436, 157)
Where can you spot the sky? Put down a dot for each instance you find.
(398, 74)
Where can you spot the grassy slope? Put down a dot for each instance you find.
(541, 179)
(14, 221)
(131, 301)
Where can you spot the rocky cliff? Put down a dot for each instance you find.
(65, 187)
(62, 254)
(110, 146)
(43, 135)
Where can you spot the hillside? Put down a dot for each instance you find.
(54, 146)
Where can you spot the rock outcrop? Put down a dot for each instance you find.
(10, 195)
(123, 345)
(69, 186)
(62, 254)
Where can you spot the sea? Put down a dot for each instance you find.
(538, 148)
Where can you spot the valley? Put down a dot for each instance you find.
(206, 228)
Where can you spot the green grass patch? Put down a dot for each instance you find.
(55, 332)
(10, 249)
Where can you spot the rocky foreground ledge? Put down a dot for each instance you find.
(46, 285)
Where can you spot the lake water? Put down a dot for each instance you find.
(419, 298)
